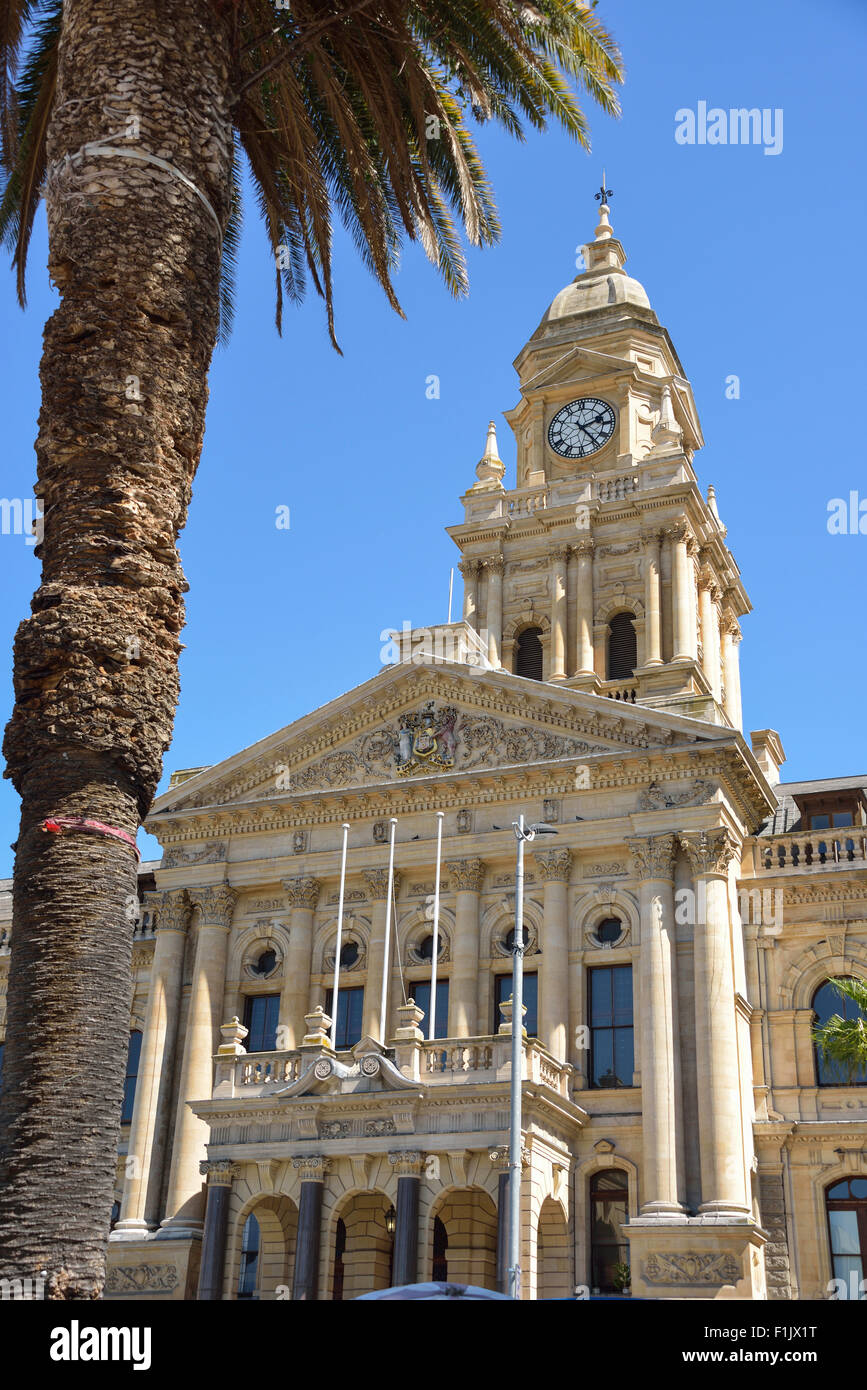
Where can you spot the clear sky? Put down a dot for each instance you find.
(751, 260)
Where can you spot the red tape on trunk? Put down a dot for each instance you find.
(58, 825)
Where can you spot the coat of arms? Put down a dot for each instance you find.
(426, 740)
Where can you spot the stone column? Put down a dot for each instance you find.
(495, 567)
(463, 986)
(662, 1176)
(470, 570)
(652, 600)
(303, 894)
(710, 645)
(377, 884)
(731, 669)
(571, 611)
(147, 1137)
(555, 866)
(721, 1143)
(184, 1205)
(500, 1160)
(220, 1175)
(408, 1167)
(305, 1280)
(681, 600)
(584, 610)
(558, 614)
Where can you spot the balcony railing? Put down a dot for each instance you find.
(445, 1061)
(812, 849)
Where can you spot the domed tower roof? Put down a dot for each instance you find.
(602, 288)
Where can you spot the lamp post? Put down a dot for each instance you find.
(523, 833)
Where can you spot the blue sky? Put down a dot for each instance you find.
(750, 260)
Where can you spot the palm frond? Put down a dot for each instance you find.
(844, 1040)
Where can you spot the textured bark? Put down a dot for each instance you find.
(135, 255)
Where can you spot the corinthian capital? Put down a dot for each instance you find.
(377, 883)
(216, 904)
(302, 891)
(467, 874)
(679, 532)
(709, 851)
(469, 568)
(220, 1172)
(555, 864)
(495, 564)
(313, 1167)
(653, 856)
(172, 909)
(585, 547)
(407, 1163)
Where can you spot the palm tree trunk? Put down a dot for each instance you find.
(135, 254)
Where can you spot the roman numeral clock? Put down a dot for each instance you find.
(582, 427)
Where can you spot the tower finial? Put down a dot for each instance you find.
(603, 231)
(490, 468)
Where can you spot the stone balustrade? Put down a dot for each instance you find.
(616, 489)
(811, 849)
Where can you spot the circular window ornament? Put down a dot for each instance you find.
(265, 963)
(609, 930)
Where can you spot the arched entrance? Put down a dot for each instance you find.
(465, 1244)
(361, 1246)
(553, 1255)
(262, 1253)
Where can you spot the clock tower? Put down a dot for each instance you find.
(606, 567)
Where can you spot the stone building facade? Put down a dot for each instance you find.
(679, 930)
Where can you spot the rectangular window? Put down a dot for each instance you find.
(503, 991)
(820, 822)
(260, 1020)
(612, 1057)
(842, 818)
(132, 1061)
(419, 990)
(350, 1008)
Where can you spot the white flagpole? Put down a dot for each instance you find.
(432, 1011)
(383, 1006)
(339, 946)
(451, 587)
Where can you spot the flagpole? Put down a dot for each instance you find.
(432, 1011)
(339, 946)
(451, 587)
(383, 1006)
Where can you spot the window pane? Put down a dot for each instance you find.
(503, 991)
(603, 1057)
(132, 1061)
(820, 822)
(350, 1009)
(260, 1018)
(601, 1007)
(249, 1258)
(420, 991)
(840, 1189)
(858, 1187)
(622, 990)
(842, 817)
(844, 1232)
(624, 1063)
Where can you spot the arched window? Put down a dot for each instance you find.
(622, 647)
(248, 1275)
(132, 1059)
(609, 1195)
(528, 654)
(846, 1205)
(826, 1003)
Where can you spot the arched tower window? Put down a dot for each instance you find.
(248, 1276)
(622, 647)
(609, 1210)
(846, 1206)
(528, 654)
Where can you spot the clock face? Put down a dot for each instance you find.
(581, 427)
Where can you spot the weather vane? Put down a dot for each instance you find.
(604, 193)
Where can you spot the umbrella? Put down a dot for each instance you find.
(436, 1290)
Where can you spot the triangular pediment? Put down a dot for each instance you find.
(578, 364)
(433, 721)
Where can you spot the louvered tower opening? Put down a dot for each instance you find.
(622, 647)
(528, 655)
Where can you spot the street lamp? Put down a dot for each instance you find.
(523, 833)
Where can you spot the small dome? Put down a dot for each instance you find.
(589, 292)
